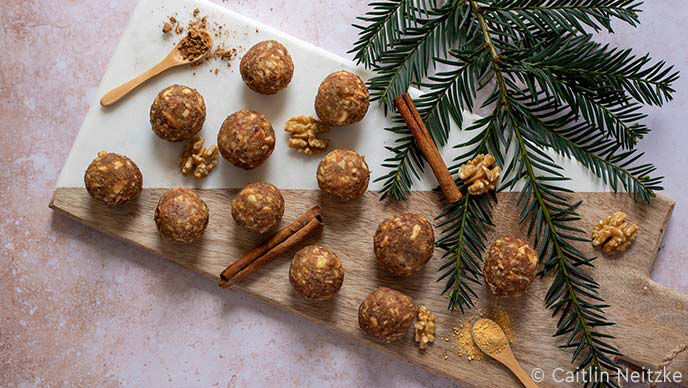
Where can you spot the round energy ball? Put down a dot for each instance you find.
(343, 174)
(342, 99)
(267, 67)
(316, 273)
(404, 243)
(181, 215)
(258, 207)
(510, 267)
(113, 178)
(246, 139)
(177, 113)
(386, 314)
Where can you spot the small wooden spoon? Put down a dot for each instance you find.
(498, 348)
(173, 59)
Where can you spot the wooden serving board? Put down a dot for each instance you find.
(651, 319)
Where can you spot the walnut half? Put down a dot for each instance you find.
(478, 175)
(425, 327)
(197, 158)
(303, 131)
(614, 234)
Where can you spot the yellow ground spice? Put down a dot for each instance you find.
(489, 336)
(503, 319)
(463, 338)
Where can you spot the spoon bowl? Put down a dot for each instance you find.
(492, 340)
(173, 59)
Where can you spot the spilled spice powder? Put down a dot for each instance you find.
(502, 318)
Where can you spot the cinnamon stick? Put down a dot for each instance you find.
(279, 243)
(410, 114)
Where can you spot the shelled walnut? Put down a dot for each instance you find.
(614, 234)
(425, 327)
(303, 131)
(478, 175)
(197, 158)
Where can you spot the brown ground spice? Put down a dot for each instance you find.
(174, 24)
(196, 44)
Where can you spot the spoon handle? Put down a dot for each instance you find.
(523, 376)
(117, 93)
(507, 358)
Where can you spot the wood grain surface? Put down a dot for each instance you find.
(651, 320)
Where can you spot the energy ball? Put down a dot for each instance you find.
(177, 113)
(246, 139)
(267, 67)
(386, 314)
(316, 273)
(258, 207)
(181, 215)
(113, 178)
(404, 243)
(510, 267)
(342, 99)
(343, 174)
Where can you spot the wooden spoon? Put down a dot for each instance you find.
(173, 59)
(496, 345)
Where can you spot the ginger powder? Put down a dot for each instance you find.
(489, 337)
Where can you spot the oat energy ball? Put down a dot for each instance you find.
(246, 139)
(386, 314)
(510, 266)
(113, 178)
(177, 113)
(404, 243)
(181, 215)
(342, 99)
(258, 207)
(343, 174)
(267, 67)
(316, 273)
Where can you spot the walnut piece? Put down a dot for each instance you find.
(425, 327)
(478, 176)
(197, 158)
(303, 131)
(614, 234)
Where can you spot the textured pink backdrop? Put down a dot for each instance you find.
(80, 309)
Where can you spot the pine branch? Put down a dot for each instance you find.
(570, 15)
(589, 66)
(464, 226)
(544, 205)
(616, 118)
(552, 88)
(413, 53)
(405, 164)
(464, 241)
(567, 137)
(387, 22)
(449, 93)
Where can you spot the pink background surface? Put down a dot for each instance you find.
(80, 309)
